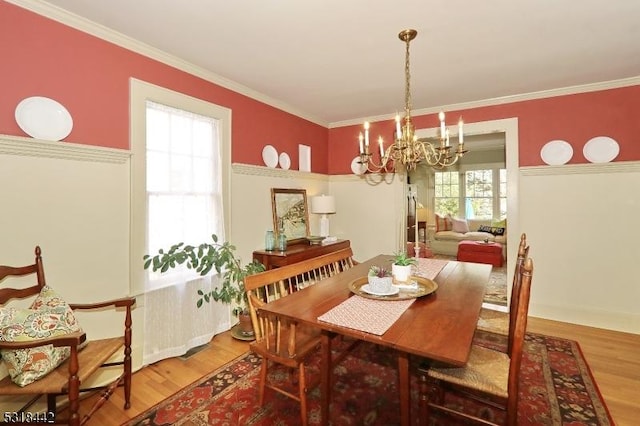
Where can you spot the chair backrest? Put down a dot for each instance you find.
(517, 334)
(523, 252)
(273, 284)
(36, 268)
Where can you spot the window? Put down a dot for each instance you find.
(183, 182)
(447, 193)
(180, 168)
(483, 193)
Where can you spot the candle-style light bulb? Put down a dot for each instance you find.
(398, 129)
(442, 130)
(361, 141)
(366, 134)
(381, 146)
(460, 133)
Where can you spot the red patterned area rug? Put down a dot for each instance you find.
(556, 388)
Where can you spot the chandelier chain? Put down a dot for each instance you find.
(407, 151)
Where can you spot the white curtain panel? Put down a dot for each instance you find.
(173, 324)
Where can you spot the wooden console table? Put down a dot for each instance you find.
(297, 253)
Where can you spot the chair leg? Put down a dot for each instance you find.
(263, 380)
(302, 383)
(127, 379)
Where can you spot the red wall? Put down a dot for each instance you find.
(573, 118)
(90, 77)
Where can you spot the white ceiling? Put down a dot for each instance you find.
(340, 60)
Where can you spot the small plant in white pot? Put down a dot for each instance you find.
(380, 279)
(401, 266)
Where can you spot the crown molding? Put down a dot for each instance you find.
(252, 170)
(590, 168)
(18, 145)
(563, 91)
(85, 25)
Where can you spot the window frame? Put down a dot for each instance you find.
(140, 92)
(462, 193)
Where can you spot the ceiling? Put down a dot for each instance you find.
(336, 61)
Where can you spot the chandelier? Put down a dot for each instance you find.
(406, 149)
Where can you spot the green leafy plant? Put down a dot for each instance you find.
(402, 259)
(203, 258)
(379, 271)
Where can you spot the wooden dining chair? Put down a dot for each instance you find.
(30, 353)
(499, 322)
(282, 342)
(490, 377)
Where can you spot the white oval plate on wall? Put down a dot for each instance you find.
(43, 118)
(601, 149)
(270, 156)
(285, 161)
(556, 153)
(357, 167)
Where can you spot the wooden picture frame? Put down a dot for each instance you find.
(289, 207)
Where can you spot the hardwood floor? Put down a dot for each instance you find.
(614, 359)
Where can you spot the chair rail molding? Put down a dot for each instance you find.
(25, 146)
(572, 169)
(252, 170)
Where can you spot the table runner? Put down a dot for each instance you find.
(429, 268)
(369, 315)
(376, 316)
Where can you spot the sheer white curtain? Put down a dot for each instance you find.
(184, 204)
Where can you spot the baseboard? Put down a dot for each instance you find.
(626, 322)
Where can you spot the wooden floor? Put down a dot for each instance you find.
(614, 359)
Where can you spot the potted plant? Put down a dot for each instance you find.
(401, 266)
(204, 258)
(380, 279)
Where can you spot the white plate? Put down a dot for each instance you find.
(43, 118)
(556, 153)
(367, 289)
(601, 149)
(270, 156)
(285, 161)
(357, 167)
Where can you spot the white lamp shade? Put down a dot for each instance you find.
(323, 204)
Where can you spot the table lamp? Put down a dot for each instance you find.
(324, 205)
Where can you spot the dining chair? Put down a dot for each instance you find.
(490, 376)
(499, 322)
(48, 354)
(282, 342)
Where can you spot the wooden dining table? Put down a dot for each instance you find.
(437, 327)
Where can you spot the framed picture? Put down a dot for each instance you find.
(290, 213)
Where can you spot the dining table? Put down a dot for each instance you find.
(438, 326)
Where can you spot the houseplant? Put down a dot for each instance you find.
(205, 257)
(401, 266)
(380, 279)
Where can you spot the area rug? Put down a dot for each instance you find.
(557, 388)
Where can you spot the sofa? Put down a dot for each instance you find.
(448, 232)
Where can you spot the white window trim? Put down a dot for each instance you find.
(140, 92)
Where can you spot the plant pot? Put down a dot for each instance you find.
(401, 273)
(380, 284)
(245, 327)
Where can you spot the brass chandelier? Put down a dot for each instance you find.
(406, 149)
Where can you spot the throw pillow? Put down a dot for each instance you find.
(500, 223)
(49, 316)
(443, 223)
(497, 231)
(459, 225)
(484, 228)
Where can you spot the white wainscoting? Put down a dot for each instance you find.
(73, 201)
(582, 224)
